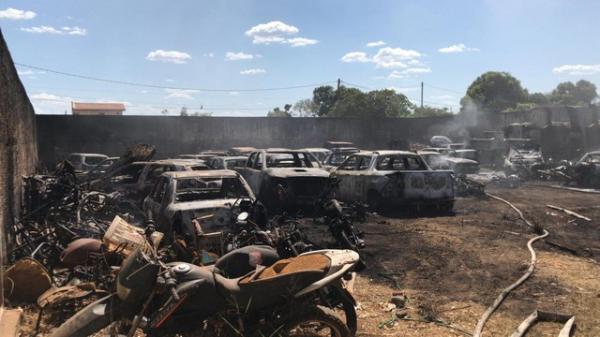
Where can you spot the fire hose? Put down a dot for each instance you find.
(504, 293)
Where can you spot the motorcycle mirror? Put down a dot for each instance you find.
(243, 217)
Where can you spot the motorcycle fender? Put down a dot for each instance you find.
(92, 318)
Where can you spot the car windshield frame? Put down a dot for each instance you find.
(215, 187)
(295, 160)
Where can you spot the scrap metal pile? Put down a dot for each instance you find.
(73, 244)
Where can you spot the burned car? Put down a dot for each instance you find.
(392, 178)
(83, 162)
(447, 159)
(319, 153)
(525, 162)
(241, 151)
(226, 162)
(337, 157)
(135, 180)
(586, 171)
(204, 196)
(285, 179)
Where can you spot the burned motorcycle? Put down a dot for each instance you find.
(248, 292)
(341, 228)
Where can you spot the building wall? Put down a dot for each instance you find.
(18, 146)
(98, 112)
(172, 135)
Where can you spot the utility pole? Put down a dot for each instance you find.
(421, 95)
(339, 82)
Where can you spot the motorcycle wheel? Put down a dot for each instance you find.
(315, 321)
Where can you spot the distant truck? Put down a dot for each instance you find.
(285, 179)
(393, 178)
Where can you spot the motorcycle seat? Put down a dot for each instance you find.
(313, 263)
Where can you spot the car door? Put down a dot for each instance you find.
(347, 176)
(154, 203)
(245, 170)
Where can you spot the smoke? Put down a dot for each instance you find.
(462, 125)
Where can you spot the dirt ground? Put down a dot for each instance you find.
(452, 267)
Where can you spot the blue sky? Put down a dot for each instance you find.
(241, 45)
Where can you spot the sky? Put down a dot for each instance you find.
(245, 57)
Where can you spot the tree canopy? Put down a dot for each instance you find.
(495, 91)
(581, 93)
(352, 102)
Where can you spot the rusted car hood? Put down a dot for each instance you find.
(284, 172)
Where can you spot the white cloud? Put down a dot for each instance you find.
(41, 30)
(58, 31)
(169, 56)
(180, 93)
(301, 42)
(278, 32)
(16, 14)
(416, 70)
(232, 56)
(457, 48)
(407, 72)
(356, 56)
(209, 54)
(75, 30)
(255, 71)
(46, 96)
(376, 44)
(577, 69)
(388, 57)
(29, 73)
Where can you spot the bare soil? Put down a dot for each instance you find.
(453, 267)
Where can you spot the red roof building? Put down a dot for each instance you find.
(111, 109)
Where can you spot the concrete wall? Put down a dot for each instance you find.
(60, 134)
(18, 146)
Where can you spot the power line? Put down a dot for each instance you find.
(356, 85)
(146, 85)
(444, 89)
(162, 106)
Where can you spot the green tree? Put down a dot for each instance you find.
(581, 93)
(324, 98)
(494, 92)
(538, 98)
(429, 111)
(352, 102)
(277, 112)
(305, 108)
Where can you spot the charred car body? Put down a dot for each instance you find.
(208, 197)
(525, 162)
(135, 180)
(392, 178)
(285, 179)
(447, 159)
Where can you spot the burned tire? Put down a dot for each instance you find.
(315, 321)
